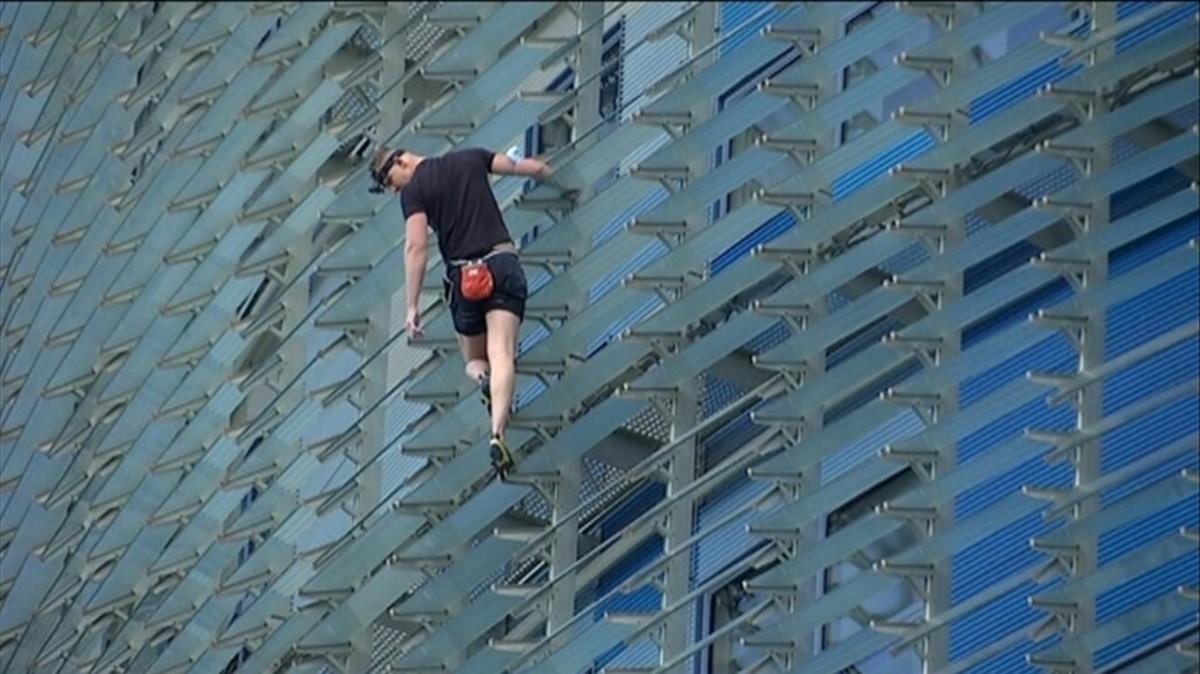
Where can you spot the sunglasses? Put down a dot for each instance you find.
(380, 177)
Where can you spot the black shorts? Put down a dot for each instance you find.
(509, 291)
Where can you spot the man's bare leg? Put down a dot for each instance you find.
(475, 355)
(502, 328)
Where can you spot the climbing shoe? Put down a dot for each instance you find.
(502, 459)
(485, 389)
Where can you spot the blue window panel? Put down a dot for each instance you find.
(841, 462)
(1018, 89)
(1185, 116)
(624, 514)
(1141, 318)
(912, 255)
(616, 224)
(1177, 234)
(645, 599)
(1144, 435)
(1012, 659)
(837, 301)
(1034, 472)
(868, 337)
(536, 335)
(1122, 150)
(883, 662)
(1148, 586)
(974, 569)
(769, 338)
(529, 393)
(734, 14)
(607, 657)
(1049, 182)
(1015, 312)
(1163, 471)
(1000, 616)
(1150, 28)
(732, 541)
(915, 145)
(639, 654)
(765, 232)
(1144, 193)
(1113, 652)
(974, 224)
(1054, 353)
(1046, 645)
(998, 265)
(1126, 8)
(647, 255)
(718, 392)
(729, 437)
(1135, 534)
(870, 393)
(496, 576)
(641, 312)
(539, 281)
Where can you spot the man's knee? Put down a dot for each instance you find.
(502, 333)
(500, 354)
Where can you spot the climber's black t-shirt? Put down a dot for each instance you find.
(453, 191)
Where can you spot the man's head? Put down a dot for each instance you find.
(392, 169)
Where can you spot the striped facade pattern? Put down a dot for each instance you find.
(931, 269)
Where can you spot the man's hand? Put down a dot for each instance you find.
(528, 167)
(412, 324)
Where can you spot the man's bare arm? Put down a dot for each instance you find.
(504, 165)
(416, 241)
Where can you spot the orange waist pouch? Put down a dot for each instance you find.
(475, 281)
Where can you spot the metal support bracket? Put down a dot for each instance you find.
(1082, 157)
(927, 349)
(664, 342)
(799, 204)
(941, 69)
(1073, 326)
(925, 405)
(798, 261)
(803, 151)
(932, 235)
(670, 232)
(676, 124)
(1075, 271)
(936, 123)
(804, 94)
(550, 317)
(1065, 554)
(667, 176)
(807, 40)
(929, 292)
(934, 182)
(668, 287)
(1077, 214)
(1083, 103)
(919, 575)
(941, 14)
(796, 315)
(922, 460)
(924, 516)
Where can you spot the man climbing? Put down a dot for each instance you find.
(484, 282)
